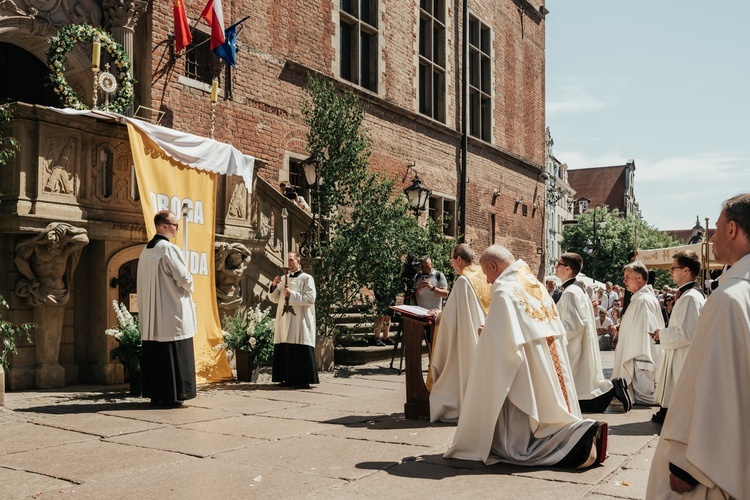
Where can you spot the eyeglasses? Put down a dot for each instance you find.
(676, 267)
(561, 264)
(176, 226)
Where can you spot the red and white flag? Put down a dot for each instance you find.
(182, 36)
(215, 18)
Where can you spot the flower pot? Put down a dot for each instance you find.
(134, 377)
(246, 372)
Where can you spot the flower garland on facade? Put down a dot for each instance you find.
(62, 43)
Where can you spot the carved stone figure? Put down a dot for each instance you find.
(59, 173)
(231, 263)
(47, 262)
(238, 202)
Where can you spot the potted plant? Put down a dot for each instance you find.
(249, 334)
(9, 333)
(128, 351)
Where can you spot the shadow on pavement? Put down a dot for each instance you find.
(647, 428)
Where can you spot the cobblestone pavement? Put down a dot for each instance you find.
(344, 438)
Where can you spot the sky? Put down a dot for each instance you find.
(663, 82)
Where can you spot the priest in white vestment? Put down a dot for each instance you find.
(294, 339)
(167, 318)
(676, 338)
(637, 356)
(594, 391)
(455, 336)
(520, 405)
(704, 447)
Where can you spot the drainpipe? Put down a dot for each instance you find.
(464, 121)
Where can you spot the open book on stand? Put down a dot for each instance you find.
(414, 312)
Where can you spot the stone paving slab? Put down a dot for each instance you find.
(397, 430)
(384, 404)
(304, 396)
(20, 484)
(174, 416)
(332, 457)
(240, 402)
(259, 427)
(187, 441)
(16, 437)
(341, 388)
(96, 424)
(86, 461)
(418, 480)
(319, 414)
(202, 479)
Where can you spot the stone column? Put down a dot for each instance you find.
(121, 16)
(49, 372)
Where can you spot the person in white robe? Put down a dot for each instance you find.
(520, 405)
(455, 336)
(593, 390)
(294, 339)
(637, 356)
(167, 318)
(676, 338)
(704, 447)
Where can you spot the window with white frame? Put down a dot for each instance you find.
(480, 80)
(443, 208)
(432, 58)
(358, 31)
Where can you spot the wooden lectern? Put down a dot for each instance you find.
(417, 396)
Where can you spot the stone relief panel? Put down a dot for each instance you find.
(57, 12)
(111, 173)
(58, 165)
(238, 200)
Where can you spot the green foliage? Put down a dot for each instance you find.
(370, 222)
(616, 240)
(128, 335)
(9, 333)
(252, 331)
(8, 145)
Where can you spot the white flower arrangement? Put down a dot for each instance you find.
(128, 335)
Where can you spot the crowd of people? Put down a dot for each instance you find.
(516, 362)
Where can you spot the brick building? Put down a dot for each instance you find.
(403, 59)
(612, 186)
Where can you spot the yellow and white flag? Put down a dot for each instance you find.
(166, 184)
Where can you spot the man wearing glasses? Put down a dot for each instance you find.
(167, 318)
(676, 339)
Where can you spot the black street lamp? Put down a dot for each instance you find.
(417, 195)
(316, 233)
(591, 248)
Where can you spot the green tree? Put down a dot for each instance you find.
(616, 240)
(370, 223)
(8, 145)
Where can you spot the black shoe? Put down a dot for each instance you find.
(389, 342)
(659, 416)
(621, 393)
(379, 343)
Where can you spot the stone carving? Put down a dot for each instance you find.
(238, 202)
(58, 173)
(123, 13)
(57, 12)
(84, 11)
(231, 262)
(47, 262)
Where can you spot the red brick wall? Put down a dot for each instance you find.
(263, 118)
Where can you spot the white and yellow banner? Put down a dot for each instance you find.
(166, 184)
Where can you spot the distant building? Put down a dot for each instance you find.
(612, 186)
(559, 196)
(690, 236)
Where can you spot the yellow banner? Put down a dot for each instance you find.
(165, 184)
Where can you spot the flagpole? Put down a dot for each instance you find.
(185, 211)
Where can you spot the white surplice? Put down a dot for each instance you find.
(453, 348)
(520, 405)
(577, 317)
(675, 341)
(705, 432)
(637, 357)
(298, 328)
(165, 293)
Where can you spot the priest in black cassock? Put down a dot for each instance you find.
(167, 317)
(294, 340)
